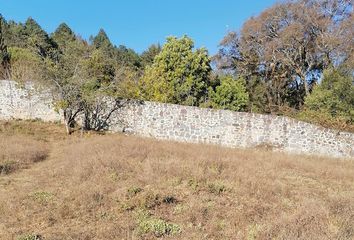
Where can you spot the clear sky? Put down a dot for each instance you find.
(139, 23)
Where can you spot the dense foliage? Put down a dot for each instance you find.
(331, 101)
(229, 94)
(295, 58)
(178, 74)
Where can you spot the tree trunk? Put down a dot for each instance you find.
(67, 127)
(306, 86)
(67, 123)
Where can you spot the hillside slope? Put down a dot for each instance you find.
(123, 187)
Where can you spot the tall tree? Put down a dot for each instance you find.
(64, 76)
(99, 84)
(179, 74)
(63, 35)
(4, 54)
(37, 39)
(16, 36)
(101, 41)
(287, 46)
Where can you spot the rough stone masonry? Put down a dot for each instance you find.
(192, 124)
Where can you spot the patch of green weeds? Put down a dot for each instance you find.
(42, 196)
(148, 224)
(30, 237)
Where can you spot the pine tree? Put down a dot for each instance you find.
(102, 42)
(37, 39)
(63, 35)
(15, 35)
(4, 55)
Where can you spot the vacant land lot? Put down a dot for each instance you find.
(122, 187)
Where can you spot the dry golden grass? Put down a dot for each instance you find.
(123, 187)
(20, 152)
(36, 129)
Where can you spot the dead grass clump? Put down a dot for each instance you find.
(20, 152)
(36, 129)
(309, 221)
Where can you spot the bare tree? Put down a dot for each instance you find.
(289, 45)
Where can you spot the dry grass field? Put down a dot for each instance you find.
(123, 187)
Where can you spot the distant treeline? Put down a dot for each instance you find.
(296, 58)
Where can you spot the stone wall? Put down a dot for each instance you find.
(194, 125)
(25, 102)
(231, 129)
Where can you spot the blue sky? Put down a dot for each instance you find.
(139, 23)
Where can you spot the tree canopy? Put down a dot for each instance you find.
(295, 58)
(231, 94)
(288, 46)
(178, 74)
(63, 36)
(332, 100)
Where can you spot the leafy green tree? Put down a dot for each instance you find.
(127, 80)
(83, 79)
(178, 74)
(231, 94)
(331, 102)
(98, 68)
(334, 95)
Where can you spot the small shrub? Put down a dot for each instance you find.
(150, 200)
(169, 199)
(114, 176)
(221, 224)
(231, 94)
(156, 226)
(134, 191)
(42, 196)
(216, 188)
(147, 200)
(194, 184)
(7, 167)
